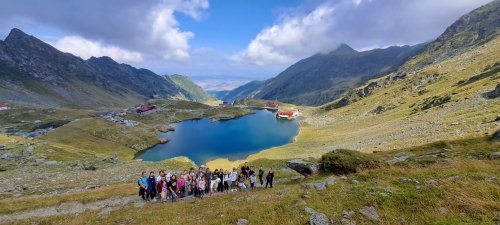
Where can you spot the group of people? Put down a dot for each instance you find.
(167, 185)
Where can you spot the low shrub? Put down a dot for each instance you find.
(347, 161)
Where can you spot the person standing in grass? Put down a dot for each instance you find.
(253, 178)
(227, 180)
(220, 187)
(163, 189)
(172, 188)
(270, 177)
(241, 182)
(181, 185)
(208, 179)
(261, 176)
(143, 185)
(200, 184)
(233, 176)
(158, 183)
(214, 182)
(151, 186)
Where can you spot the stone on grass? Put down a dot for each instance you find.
(309, 210)
(242, 222)
(369, 212)
(319, 219)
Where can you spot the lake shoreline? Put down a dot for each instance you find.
(293, 139)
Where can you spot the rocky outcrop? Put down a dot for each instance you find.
(495, 93)
(320, 185)
(303, 167)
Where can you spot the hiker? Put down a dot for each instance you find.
(172, 188)
(233, 177)
(214, 182)
(244, 170)
(143, 185)
(151, 186)
(158, 183)
(226, 181)
(181, 184)
(200, 184)
(163, 189)
(270, 177)
(261, 176)
(220, 187)
(208, 179)
(253, 178)
(241, 182)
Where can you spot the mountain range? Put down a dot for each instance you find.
(323, 78)
(34, 72)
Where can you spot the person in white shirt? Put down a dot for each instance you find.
(233, 176)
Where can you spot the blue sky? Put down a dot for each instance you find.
(222, 44)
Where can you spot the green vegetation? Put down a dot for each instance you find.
(192, 91)
(346, 161)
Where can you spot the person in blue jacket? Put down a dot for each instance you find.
(151, 186)
(143, 185)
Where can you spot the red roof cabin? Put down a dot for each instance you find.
(4, 107)
(272, 105)
(145, 108)
(285, 115)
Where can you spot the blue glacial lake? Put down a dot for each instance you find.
(203, 140)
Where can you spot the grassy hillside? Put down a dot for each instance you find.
(441, 183)
(192, 91)
(400, 114)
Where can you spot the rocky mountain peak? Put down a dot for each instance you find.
(343, 49)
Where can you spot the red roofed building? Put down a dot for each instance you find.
(4, 107)
(145, 108)
(272, 105)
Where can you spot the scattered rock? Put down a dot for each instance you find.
(343, 177)
(53, 163)
(400, 157)
(453, 178)
(495, 155)
(355, 181)
(345, 221)
(455, 123)
(408, 180)
(242, 222)
(370, 213)
(347, 214)
(319, 219)
(431, 182)
(443, 210)
(320, 185)
(309, 210)
(303, 167)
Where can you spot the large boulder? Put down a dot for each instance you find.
(318, 218)
(495, 93)
(303, 167)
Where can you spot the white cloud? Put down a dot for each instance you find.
(291, 38)
(85, 48)
(149, 27)
(359, 23)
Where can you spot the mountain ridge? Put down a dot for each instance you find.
(34, 72)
